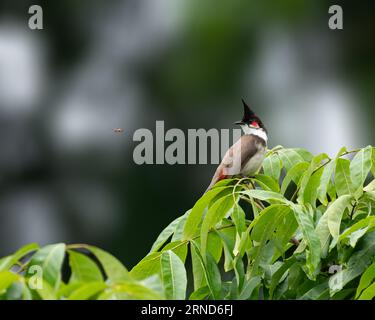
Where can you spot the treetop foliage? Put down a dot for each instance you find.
(302, 228)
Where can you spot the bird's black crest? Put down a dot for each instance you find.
(249, 115)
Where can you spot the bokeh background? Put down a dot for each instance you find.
(100, 64)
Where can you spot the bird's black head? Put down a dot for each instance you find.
(250, 118)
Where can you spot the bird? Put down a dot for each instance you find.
(246, 155)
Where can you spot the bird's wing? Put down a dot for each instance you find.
(235, 158)
(240, 153)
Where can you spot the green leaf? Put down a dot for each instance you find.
(263, 230)
(323, 234)
(272, 166)
(344, 294)
(87, 290)
(150, 264)
(325, 180)
(228, 237)
(319, 292)
(294, 174)
(306, 155)
(173, 276)
(147, 267)
(154, 283)
(13, 259)
(265, 195)
(371, 195)
(276, 277)
(238, 217)
(214, 214)
(334, 214)
(242, 242)
(295, 276)
(4, 262)
(130, 291)
(6, 279)
(367, 223)
(178, 247)
(306, 224)
(66, 290)
(200, 294)
(360, 167)
(356, 235)
(314, 165)
(373, 162)
(50, 259)
(285, 230)
(266, 220)
(267, 183)
(211, 272)
(198, 270)
(290, 157)
(343, 182)
(15, 291)
(214, 246)
(46, 292)
(341, 152)
(310, 193)
(166, 233)
(370, 186)
(195, 216)
(248, 287)
(356, 265)
(368, 294)
(113, 268)
(83, 268)
(239, 271)
(332, 191)
(223, 183)
(179, 230)
(366, 279)
(214, 277)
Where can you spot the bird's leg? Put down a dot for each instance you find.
(240, 177)
(294, 241)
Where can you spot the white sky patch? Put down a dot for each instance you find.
(82, 123)
(306, 103)
(320, 119)
(22, 69)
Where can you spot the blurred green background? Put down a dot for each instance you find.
(98, 65)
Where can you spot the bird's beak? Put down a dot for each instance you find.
(239, 122)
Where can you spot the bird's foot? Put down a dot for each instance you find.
(294, 241)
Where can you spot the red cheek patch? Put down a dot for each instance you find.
(255, 124)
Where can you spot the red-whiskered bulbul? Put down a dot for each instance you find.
(246, 156)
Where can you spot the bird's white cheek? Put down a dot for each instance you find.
(246, 129)
(256, 132)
